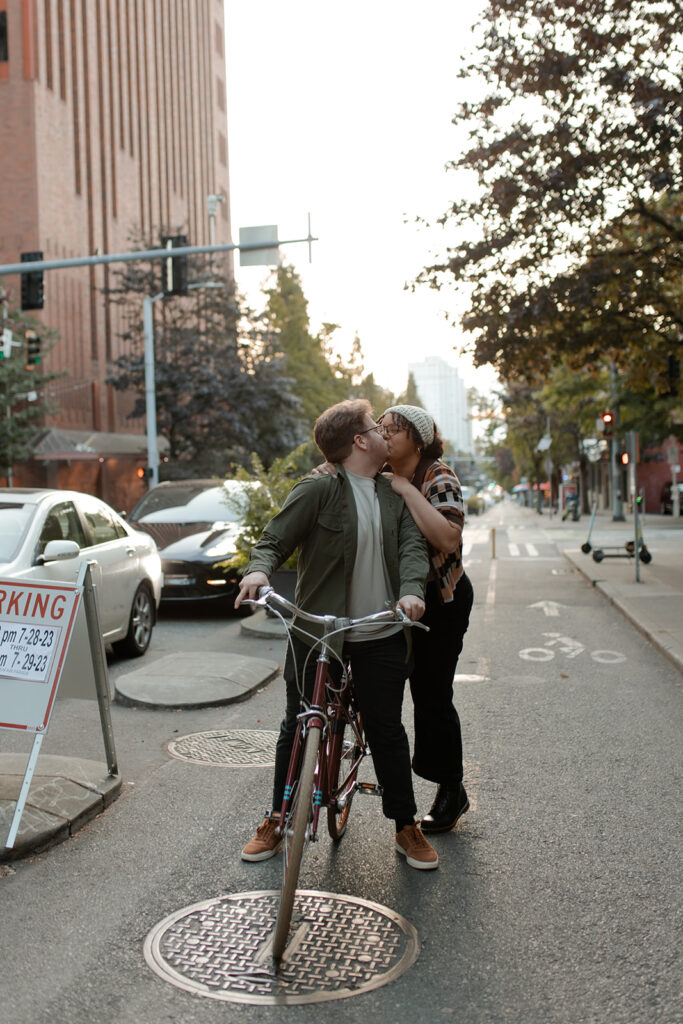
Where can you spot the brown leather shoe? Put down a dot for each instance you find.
(415, 848)
(266, 842)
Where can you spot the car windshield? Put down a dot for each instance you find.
(187, 503)
(14, 520)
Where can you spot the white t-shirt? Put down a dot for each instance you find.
(370, 584)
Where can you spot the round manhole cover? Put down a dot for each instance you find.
(339, 946)
(238, 748)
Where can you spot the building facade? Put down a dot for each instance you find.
(444, 395)
(113, 124)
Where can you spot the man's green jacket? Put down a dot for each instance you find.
(319, 518)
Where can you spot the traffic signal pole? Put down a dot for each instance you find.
(28, 267)
(145, 254)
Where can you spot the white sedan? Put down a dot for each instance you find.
(45, 535)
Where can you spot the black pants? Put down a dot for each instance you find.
(379, 670)
(438, 739)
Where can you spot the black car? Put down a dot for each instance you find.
(195, 527)
(666, 505)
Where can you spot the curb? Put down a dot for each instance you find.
(65, 794)
(261, 625)
(668, 646)
(188, 681)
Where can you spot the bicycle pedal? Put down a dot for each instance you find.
(369, 789)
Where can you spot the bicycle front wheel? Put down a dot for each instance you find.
(345, 754)
(295, 829)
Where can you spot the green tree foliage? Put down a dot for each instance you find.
(221, 391)
(411, 395)
(21, 419)
(572, 245)
(321, 376)
(317, 383)
(269, 486)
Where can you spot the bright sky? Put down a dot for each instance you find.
(345, 111)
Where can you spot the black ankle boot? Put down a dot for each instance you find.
(450, 803)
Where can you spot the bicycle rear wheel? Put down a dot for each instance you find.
(343, 760)
(294, 833)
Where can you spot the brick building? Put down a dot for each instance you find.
(112, 120)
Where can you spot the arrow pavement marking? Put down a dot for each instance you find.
(549, 607)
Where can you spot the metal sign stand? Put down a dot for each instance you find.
(87, 588)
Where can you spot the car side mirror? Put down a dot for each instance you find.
(58, 551)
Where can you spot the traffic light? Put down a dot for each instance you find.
(623, 458)
(32, 349)
(32, 294)
(174, 268)
(6, 344)
(607, 421)
(144, 472)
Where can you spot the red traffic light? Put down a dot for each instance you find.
(141, 472)
(607, 418)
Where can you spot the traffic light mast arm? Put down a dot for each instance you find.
(146, 254)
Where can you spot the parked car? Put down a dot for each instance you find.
(194, 527)
(45, 535)
(666, 504)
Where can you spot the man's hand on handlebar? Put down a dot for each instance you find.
(249, 587)
(414, 607)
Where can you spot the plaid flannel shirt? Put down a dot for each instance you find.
(441, 487)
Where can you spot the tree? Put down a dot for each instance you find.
(22, 391)
(221, 392)
(315, 382)
(410, 396)
(572, 244)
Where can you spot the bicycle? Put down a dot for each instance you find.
(329, 746)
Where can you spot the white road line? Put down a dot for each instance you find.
(514, 549)
(531, 549)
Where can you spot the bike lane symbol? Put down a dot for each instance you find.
(559, 644)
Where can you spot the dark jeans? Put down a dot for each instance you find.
(379, 670)
(438, 740)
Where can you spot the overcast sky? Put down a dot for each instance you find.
(345, 111)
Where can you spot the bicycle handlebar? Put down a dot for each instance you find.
(389, 615)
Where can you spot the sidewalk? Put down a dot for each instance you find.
(654, 605)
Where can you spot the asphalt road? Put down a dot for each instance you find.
(556, 899)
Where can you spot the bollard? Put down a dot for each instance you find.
(493, 542)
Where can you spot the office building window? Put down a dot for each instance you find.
(4, 51)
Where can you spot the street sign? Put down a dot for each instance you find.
(672, 453)
(36, 621)
(259, 236)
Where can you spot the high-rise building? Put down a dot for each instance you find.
(444, 395)
(113, 123)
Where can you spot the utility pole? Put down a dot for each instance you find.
(615, 477)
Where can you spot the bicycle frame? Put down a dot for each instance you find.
(329, 708)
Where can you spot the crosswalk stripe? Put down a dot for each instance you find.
(531, 549)
(514, 549)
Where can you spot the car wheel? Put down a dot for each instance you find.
(140, 625)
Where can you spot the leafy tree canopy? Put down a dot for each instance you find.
(221, 392)
(572, 244)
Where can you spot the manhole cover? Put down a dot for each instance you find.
(339, 946)
(238, 748)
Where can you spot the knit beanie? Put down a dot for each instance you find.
(420, 419)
